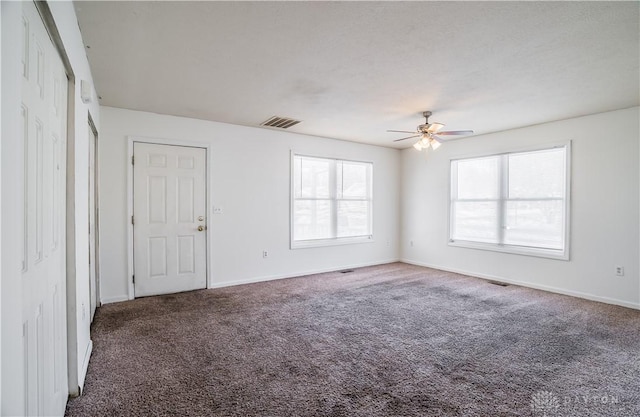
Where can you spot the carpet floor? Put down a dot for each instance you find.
(388, 340)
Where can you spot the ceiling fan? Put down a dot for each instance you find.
(429, 134)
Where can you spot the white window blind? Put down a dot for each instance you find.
(331, 201)
(514, 202)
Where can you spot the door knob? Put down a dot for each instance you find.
(200, 228)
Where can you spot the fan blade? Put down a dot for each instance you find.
(455, 132)
(454, 138)
(402, 131)
(437, 139)
(408, 137)
(434, 127)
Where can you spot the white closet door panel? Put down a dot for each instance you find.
(43, 110)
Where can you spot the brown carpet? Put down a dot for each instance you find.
(391, 340)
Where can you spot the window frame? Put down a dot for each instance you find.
(332, 241)
(563, 254)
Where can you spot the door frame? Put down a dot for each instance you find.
(96, 205)
(131, 140)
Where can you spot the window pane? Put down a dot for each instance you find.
(475, 221)
(478, 178)
(312, 219)
(535, 223)
(297, 177)
(331, 199)
(353, 218)
(537, 174)
(311, 177)
(352, 180)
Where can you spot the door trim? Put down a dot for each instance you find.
(96, 206)
(50, 25)
(175, 142)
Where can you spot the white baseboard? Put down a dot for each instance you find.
(124, 297)
(85, 365)
(556, 290)
(297, 274)
(116, 299)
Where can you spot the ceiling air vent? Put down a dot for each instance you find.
(281, 122)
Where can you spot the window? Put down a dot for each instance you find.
(331, 201)
(514, 202)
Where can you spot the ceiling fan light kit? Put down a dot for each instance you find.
(428, 132)
(426, 142)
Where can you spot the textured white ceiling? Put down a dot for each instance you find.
(352, 70)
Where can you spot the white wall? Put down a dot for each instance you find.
(250, 181)
(605, 219)
(78, 324)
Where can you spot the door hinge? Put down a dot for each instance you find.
(132, 221)
(133, 160)
(133, 278)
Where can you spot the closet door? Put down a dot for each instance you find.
(44, 92)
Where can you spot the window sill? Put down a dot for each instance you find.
(515, 250)
(302, 244)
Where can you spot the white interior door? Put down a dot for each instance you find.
(44, 104)
(93, 271)
(169, 209)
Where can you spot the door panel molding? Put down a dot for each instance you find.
(131, 140)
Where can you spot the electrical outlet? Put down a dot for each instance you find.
(217, 210)
(265, 254)
(619, 270)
